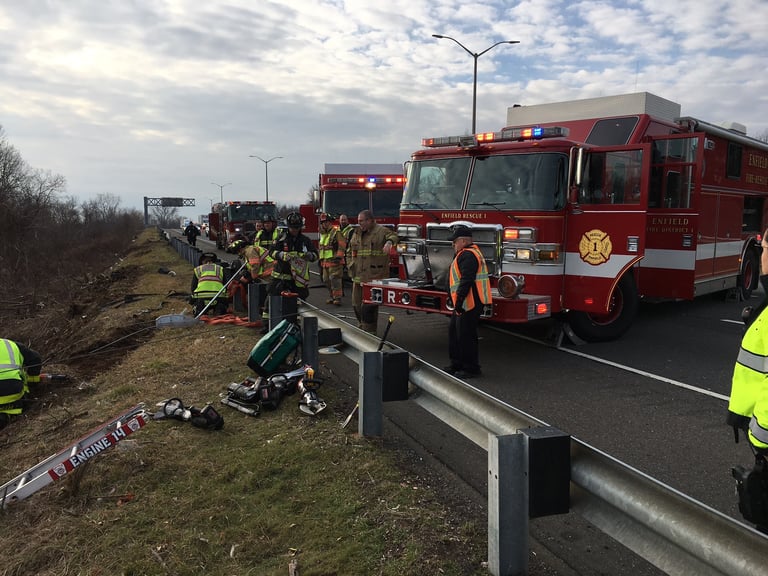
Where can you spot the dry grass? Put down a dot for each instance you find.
(174, 499)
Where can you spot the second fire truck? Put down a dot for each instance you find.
(582, 209)
(350, 188)
(228, 219)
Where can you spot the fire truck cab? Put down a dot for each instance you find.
(228, 219)
(582, 209)
(350, 188)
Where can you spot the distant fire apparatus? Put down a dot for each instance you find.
(583, 208)
(350, 188)
(228, 219)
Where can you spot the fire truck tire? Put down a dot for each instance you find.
(749, 274)
(604, 327)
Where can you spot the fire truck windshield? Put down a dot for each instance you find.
(349, 202)
(436, 184)
(519, 181)
(508, 182)
(386, 203)
(250, 212)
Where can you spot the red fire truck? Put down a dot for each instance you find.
(583, 208)
(228, 219)
(350, 188)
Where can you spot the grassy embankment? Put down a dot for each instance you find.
(247, 499)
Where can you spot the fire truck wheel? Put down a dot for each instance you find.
(749, 275)
(604, 327)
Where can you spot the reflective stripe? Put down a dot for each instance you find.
(758, 432)
(756, 362)
(14, 365)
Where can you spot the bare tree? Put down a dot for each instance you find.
(166, 216)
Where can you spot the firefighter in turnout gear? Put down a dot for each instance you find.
(258, 269)
(207, 281)
(19, 366)
(748, 406)
(268, 234)
(331, 249)
(292, 253)
(369, 250)
(470, 289)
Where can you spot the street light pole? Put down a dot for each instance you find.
(475, 56)
(221, 190)
(266, 173)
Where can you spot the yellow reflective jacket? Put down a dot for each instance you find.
(748, 405)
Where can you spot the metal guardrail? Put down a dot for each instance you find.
(674, 532)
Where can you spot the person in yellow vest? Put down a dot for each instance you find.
(748, 405)
(368, 252)
(331, 248)
(207, 283)
(470, 289)
(345, 227)
(268, 234)
(19, 366)
(258, 269)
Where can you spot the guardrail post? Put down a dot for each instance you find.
(309, 352)
(370, 405)
(255, 292)
(282, 308)
(507, 505)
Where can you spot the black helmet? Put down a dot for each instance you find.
(209, 256)
(294, 220)
(236, 245)
(268, 218)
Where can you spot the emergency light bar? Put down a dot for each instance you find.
(367, 180)
(506, 135)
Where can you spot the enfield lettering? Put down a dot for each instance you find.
(462, 215)
(675, 224)
(757, 161)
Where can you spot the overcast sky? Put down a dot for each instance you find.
(160, 98)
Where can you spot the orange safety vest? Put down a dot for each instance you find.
(482, 281)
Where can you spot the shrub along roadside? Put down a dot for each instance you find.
(246, 499)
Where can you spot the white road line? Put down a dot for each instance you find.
(623, 367)
(646, 374)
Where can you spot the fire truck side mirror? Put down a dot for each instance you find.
(577, 169)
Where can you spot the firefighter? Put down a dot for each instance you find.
(268, 234)
(207, 286)
(19, 366)
(331, 249)
(748, 406)
(191, 232)
(258, 269)
(345, 227)
(292, 253)
(369, 250)
(470, 289)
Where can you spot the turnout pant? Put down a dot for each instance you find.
(462, 340)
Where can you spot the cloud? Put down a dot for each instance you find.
(160, 99)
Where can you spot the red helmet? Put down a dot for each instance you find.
(326, 217)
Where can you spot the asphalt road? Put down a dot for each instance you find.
(655, 399)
